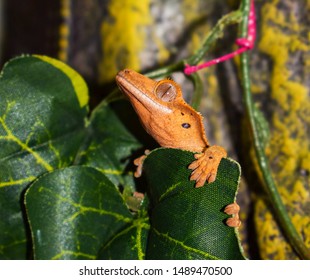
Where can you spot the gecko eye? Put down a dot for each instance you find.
(186, 125)
(166, 91)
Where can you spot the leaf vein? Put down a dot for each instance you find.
(10, 136)
(188, 248)
(17, 182)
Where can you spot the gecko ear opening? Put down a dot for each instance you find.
(166, 90)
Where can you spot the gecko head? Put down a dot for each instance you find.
(148, 94)
(163, 112)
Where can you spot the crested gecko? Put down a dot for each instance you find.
(174, 124)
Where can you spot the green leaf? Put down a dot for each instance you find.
(131, 242)
(42, 119)
(112, 139)
(189, 223)
(43, 112)
(72, 212)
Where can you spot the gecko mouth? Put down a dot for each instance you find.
(132, 91)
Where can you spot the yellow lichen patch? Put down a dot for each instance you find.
(256, 89)
(303, 223)
(196, 40)
(270, 241)
(289, 142)
(285, 151)
(212, 82)
(163, 53)
(189, 11)
(305, 163)
(298, 195)
(290, 95)
(123, 36)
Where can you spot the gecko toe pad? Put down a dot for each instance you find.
(233, 209)
(206, 164)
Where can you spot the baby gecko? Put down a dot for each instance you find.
(174, 124)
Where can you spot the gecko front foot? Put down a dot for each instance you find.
(139, 163)
(206, 164)
(233, 209)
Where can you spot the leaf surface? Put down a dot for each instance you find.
(113, 136)
(189, 223)
(74, 212)
(42, 120)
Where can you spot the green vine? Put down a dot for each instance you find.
(270, 186)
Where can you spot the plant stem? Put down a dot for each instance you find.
(273, 194)
(166, 70)
(198, 92)
(214, 34)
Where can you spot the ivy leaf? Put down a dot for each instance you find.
(189, 223)
(111, 141)
(74, 211)
(131, 242)
(37, 94)
(44, 127)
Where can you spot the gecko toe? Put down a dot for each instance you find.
(198, 156)
(193, 165)
(211, 177)
(138, 172)
(195, 175)
(200, 182)
(233, 222)
(139, 163)
(232, 209)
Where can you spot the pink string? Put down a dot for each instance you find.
(245, 44)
